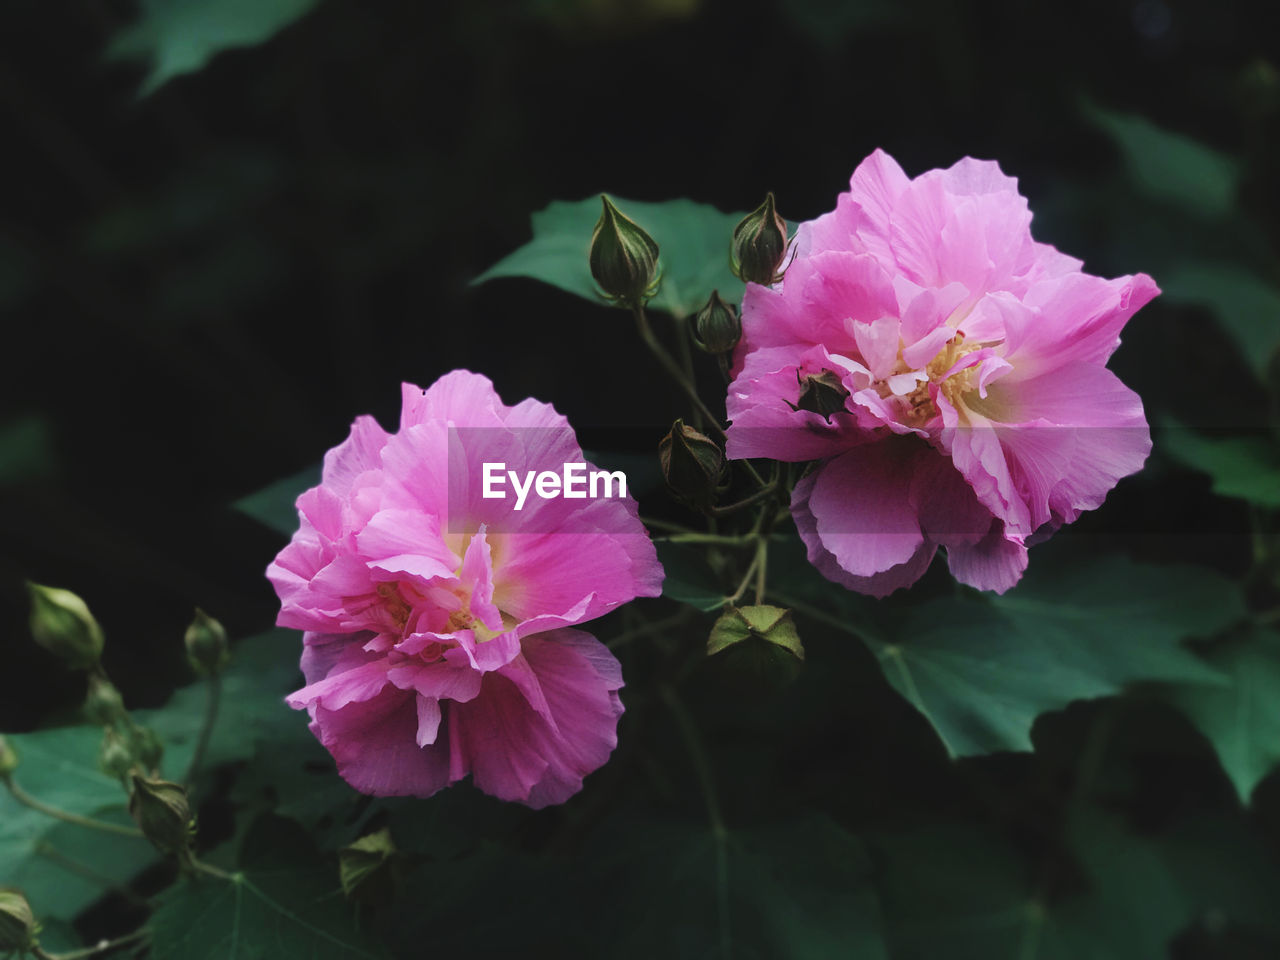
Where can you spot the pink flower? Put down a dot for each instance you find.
(963, 399)
(439, 640)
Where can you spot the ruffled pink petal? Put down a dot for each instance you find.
(879, 585)
(515, 753)
(864, 515)
(359, 453)
(375, 744)
(993, 563)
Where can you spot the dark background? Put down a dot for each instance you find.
(202, 287)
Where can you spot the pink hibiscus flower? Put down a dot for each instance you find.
(438, 622)
(947, 370)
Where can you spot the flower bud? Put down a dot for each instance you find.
(163, 814)
(18, 927)
(146, 748)
(364, 868)
(821, 393)
(624, 259)
(717, 328)
(8, 758)
(206, 642)
(691, 464)
(115, 756)
(103, 703)
(62, 624)
(759, 244)
(769, 623)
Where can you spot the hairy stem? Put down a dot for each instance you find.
(27, 800)
(669, 364)
(206, 729)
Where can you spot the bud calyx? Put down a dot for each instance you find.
(623, 258)
(759, 245)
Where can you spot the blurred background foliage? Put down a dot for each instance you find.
(230, 226)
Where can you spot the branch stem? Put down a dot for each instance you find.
(40, 806)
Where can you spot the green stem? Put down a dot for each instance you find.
(669, 364)
(762, 564)
(103, 946)
(666, 525)
(40, 806)
(206, 729)
(765, 491)
(686, 363)
(207, 868)
(724, 540)
(719, 833)
(746, 579)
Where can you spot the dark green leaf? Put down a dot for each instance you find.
(1247, 308)
(284, 902)
(982, 669)
(273, 505)
(263, 670)
(964, 894)
(181, 36)
(693, 241)
(688, 578)
(64, 867)
(1245, 467)
(1242, 721)
(1169, 166)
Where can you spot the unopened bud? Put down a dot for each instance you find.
(8, 758)
(206, 642)
(103, 703)
(162, 812)
(115, 756)
(146, 747)
(18, 927)
(821, 393)
(62, 624)
(759, 244)
(769, 623)
(624, 259)
(691, 464)
(717, 328)
(365, 868)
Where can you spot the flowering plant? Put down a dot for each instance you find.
(439, 640)
(945, 370)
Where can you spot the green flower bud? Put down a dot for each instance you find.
(365, 868)
(821, 393)
(63, 625)
(772, 624)
(115, 756)
(717, 328)
(18, 927)
(8, 758)
(103, 703)
(206, 644)
(691, 464)
(146, 747)
(759, 244)
(162, 812)
(624, 259)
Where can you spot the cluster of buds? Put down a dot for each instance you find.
(759, 245)
(623, 258)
